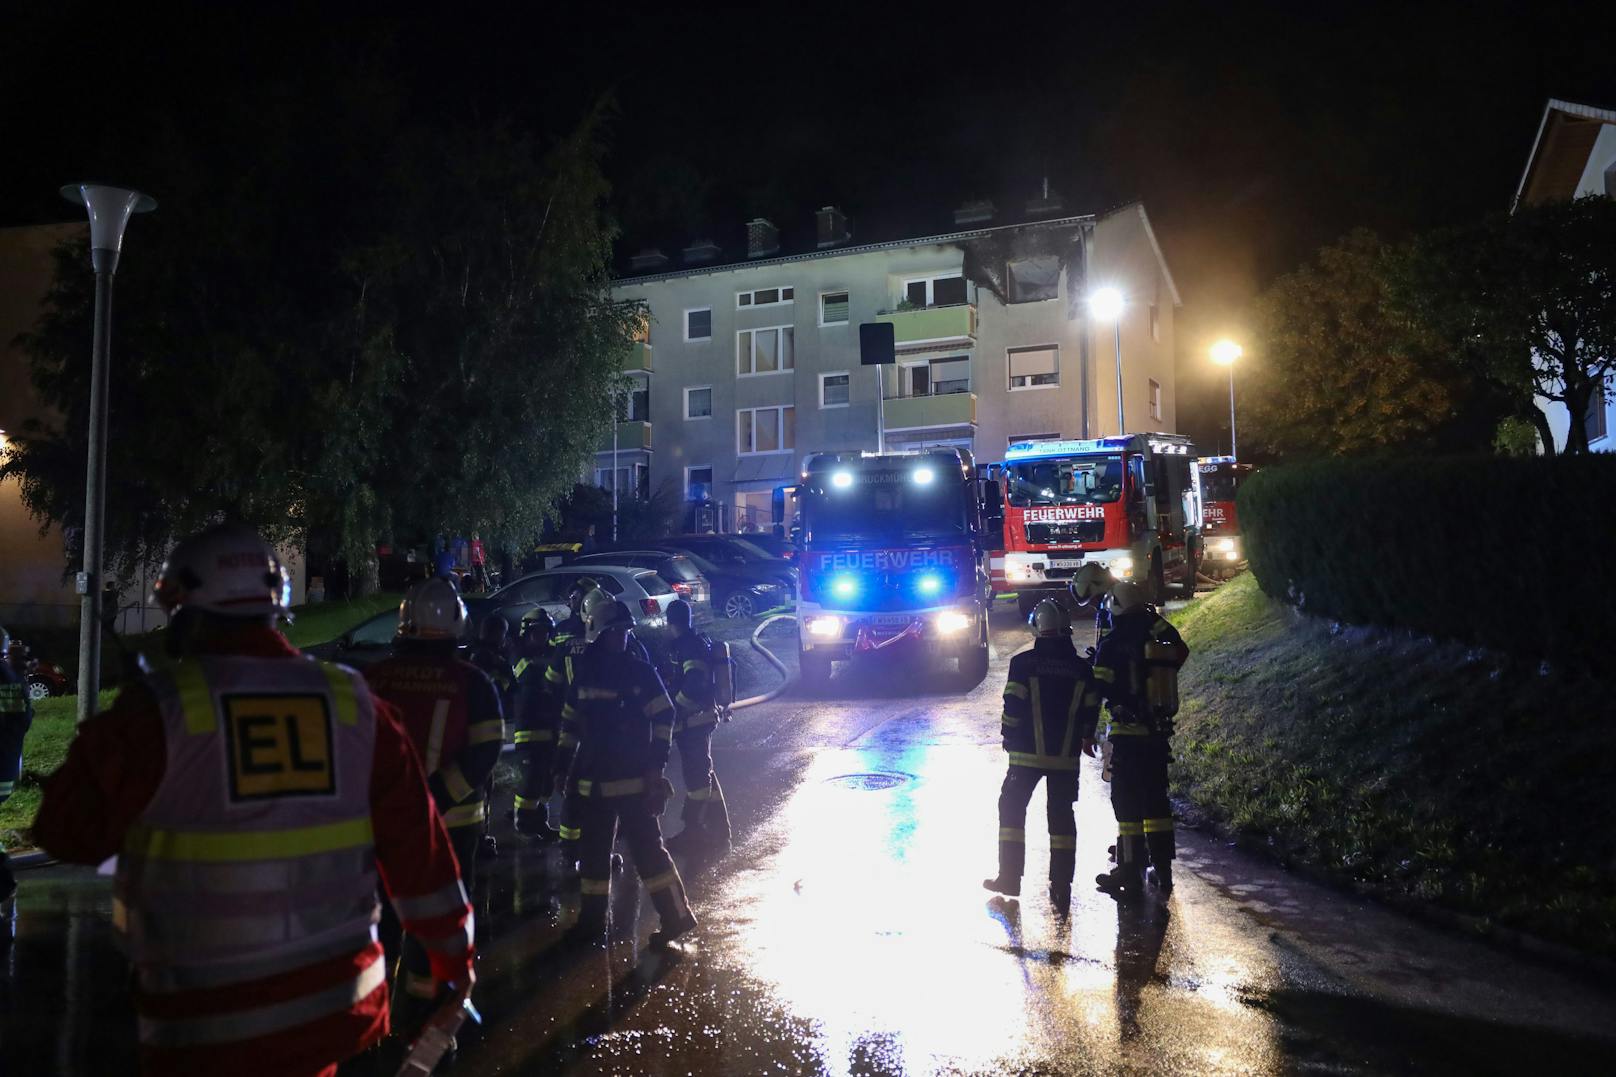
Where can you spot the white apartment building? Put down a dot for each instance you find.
(750, 362)
(1574, 155)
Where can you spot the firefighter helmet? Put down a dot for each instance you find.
(538, 624)
(593, 608)
(229, 570)
(1127, 596)
(1091, 581)
(431, 609)
(679, 614)
(613, 612)
(1049, 619)
(580, 589)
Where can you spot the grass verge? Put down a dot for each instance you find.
(1454, 775)
(54, 719)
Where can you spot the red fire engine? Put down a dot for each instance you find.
(1129, 503)
(1219, 478)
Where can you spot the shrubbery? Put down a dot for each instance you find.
(1510, 553)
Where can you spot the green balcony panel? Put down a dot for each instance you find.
(932, 323)
(630, 436)
(637, 360)
(927, 412)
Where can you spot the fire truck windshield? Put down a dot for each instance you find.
(1084, 480)
(886, 505)
(1219, 485)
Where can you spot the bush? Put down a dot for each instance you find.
(1510, 553)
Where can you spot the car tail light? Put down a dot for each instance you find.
(649, 607)
(683, 590)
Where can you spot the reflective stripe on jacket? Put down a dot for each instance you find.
(1049, 706)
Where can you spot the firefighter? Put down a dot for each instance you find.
(490, 653)
(573, 626)
(1049, 707)
(451, 712)
(16, 715)
(536, 730)
(692, 682)
(254, 799)
(570, 640)
(1091, 585)
(1139, 729)
(617, 727)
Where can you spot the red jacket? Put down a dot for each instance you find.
(112, 771)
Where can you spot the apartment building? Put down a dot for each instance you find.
(750, 362)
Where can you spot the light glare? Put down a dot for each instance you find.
(1226, 351)
(1106, 305)
(922, 475)
(842, 480)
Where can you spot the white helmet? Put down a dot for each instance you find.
(596, 609)
(1091, 581)
(1049, 619)
(227, 569)
(431, 610)
(1126, 597)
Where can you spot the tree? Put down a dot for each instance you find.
(347, 323)
(1526, 302)
(1333, 371)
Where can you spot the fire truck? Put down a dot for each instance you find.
(1129, 502)
(893, 555)
(1219, 479)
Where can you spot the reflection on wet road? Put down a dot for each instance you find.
(847, 934)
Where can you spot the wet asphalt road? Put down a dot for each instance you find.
(847, 933)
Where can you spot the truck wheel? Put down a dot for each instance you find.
(974, 664)
(1156, 593)
(814, 672)
(1191, 568)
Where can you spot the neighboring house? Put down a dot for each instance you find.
(756, 356)
(1574, 155)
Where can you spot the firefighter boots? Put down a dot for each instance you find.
(1060, 896)
(1161, 877)
(1124, 883)
(1008, 886)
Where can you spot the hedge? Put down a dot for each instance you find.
(1516, 554)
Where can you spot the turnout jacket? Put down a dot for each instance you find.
(617, 722)
(690, 680)
(1049, 705)
(1120, 669)
(452, 713)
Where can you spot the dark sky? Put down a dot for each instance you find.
(1253, 133)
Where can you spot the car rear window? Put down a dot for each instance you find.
(678, 568)
(654, 585)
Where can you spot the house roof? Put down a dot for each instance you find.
(1565, 138)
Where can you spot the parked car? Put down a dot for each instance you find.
(730, 551)
(371, 640)
(678, 569)
(45, 679)
(740, 589)
(773, 545)
(647, 594)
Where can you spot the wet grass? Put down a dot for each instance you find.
(1465, 778)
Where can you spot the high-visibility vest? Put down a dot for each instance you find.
(255, 856)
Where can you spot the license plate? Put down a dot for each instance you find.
(890, 620)
(1066, 562)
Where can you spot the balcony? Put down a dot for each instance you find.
(637, 360)
(930, 412)
(631, 436)
(932, 325)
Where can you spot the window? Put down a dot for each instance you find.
(935, 377)
(765, 351)
(761, 430)
(1155, 396)
(1051, 435)
(698, 402)
(639, 405)
(699, 324)
(699, 483)
(833, 308)
(1033, 279)
(939, 291)
(633, 480)
(1034, 368)
(1155, 323)
(765, 297)
(835, 390)
(1594, 420)
(380, 630)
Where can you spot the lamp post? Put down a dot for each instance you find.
(1106, 306)
(1224, 353)
(109, 209)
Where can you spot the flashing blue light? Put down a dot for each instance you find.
(844, 587)
(930, 584)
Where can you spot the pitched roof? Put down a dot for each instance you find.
(1565, 138)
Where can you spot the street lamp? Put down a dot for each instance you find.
(109, 209)
(1224, 353)
(1105, 305)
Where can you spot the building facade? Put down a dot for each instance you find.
(748, 365)
(1574, 156)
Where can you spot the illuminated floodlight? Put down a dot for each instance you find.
(930, 584)
(1225, 352)
(841, 479)
(922, 475)
(825, 627)
(951, 622)
(844, 587)
(1106, 305)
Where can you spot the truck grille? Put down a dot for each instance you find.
(1063, 534)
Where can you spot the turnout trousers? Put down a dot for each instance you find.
(705, 811)
(418, 992)
(1139, 801)
(1060, 787)
(601, 818)
(536, 758)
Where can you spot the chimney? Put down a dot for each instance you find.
(831, 225)
(649, 258)
(700, 252)
(762, 238)
(979, 211)
(1047, 205)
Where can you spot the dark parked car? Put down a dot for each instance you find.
(741, 589)
(735, 551)
(646, 594)
(678, 569)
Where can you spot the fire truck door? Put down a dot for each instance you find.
(1143, 498)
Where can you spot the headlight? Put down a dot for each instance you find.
(951, 622)
(1121, 567)
(1023, 570)
(825, 627)
(1226, 545)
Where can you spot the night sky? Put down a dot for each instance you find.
(1252, 137)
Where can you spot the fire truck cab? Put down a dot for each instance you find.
(1129, 503)
(1218, 479)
